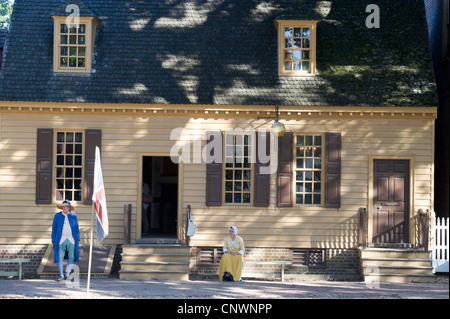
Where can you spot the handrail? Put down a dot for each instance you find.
(127, 223)
(363, 225)
(423, 228)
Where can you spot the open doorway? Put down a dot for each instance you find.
(159, 197)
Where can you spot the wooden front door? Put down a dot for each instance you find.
(391, 201)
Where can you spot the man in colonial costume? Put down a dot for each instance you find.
(65, 238)
(233, 251)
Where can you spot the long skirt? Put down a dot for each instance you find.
(231, 264)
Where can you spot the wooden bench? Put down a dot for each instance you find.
(283, 263)
(19, 261)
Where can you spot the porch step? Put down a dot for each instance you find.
(395, 253)
(155, 249)
(159, 240)
(155, 262)
(395, 262)
(395, 265)
(153, 275)
(391, 245)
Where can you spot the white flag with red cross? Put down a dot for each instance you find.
(99, 199)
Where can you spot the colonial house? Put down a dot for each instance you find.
(296, 121)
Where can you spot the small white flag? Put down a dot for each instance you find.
(98, 197)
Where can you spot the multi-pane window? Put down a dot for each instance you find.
(296, 47)
(72, 49)
(238, 168)
(72, 46)
(308, 169)
(69, 165)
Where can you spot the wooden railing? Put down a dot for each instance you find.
(363, 227)
(127, 224)
(422, 229)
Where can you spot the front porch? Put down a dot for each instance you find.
(396, 262)
(155, 261)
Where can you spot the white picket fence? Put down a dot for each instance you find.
(440, 245)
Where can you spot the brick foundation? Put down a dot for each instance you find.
(338, 264)
(33, 252)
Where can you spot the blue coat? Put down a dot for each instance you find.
(57, 227)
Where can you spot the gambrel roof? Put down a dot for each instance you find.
(224, 52)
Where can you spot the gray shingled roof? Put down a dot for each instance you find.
(2, 38)
(224, 52)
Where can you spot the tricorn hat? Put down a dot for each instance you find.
(65, 203)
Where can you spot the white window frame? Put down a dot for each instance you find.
(281, 25)
(242, 180)
(89, 45)
(313, 169)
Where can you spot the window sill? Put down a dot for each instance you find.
(74, 72)
(296, 75)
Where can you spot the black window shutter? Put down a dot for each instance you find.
(285, 170)
(44, 166)
(261, 189)
(93, 138)
(214, 173)
(332, 170)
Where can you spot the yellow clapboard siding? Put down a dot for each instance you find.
(276, 220)
(125, 136)
(282, 242)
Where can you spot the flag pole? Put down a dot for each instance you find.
(99, 209)
(90, 251)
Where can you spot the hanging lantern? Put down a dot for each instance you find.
(277, 128)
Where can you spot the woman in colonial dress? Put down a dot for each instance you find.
(233, 251)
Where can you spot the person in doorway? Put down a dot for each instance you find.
(230, 268)
(65, 238)
(147, 199)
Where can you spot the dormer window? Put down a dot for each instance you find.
(296, 47)
(73, 45)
